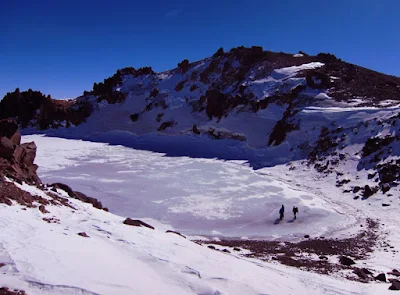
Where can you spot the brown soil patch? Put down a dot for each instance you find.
(299, 254)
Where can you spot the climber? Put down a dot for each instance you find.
(295, 211)
(281, 212)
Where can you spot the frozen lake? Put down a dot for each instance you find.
(195, 196)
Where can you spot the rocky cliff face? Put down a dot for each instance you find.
(16, 159)
(17, 164)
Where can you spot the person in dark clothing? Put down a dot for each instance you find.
(295, 211)
(281, 212)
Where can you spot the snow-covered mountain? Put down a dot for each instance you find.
(240, 133)
(246, 104)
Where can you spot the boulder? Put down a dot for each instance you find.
(381, 277)
(362, 273)
(83, 234)
(42, 209)
(136, 222)
(346, 260)
(395, 285)
(367, 191)
(385, 187)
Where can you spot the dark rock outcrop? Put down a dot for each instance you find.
(83, 234)
(7, 291)
(394, 272)
(79, 196)
(32, 108)
(367, 192)
(175, 232)
(9, 129)
(346, 261)
(395, 285)
(16, 160)
(136, 222)
(381, 277)
(42, 209)
(363, 273)
(165, 125)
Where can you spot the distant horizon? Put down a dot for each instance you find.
(62, 47)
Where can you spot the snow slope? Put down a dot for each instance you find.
(50, 258)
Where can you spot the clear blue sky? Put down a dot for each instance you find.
(61, 47)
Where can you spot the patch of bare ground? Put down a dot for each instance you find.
(312, 254)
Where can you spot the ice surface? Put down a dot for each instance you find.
(195, 196)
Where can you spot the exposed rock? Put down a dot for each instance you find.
(236, 249)
(83, 234)
(51, 220)
(381, 277)
(193, 87)
(154, 92)
(195, 130)
(78, 195)
(307, 236)
(165, 125)
(211, 247)
(323, 257)
(30, 153)
(136, 222)
(385, 205)
(6, 148)
(180, 85)
(281, 129)
(184, 66)
(9, 129)
(42, 209)
(175, 232)
(362, 273)
(7, 291)
(215, 103)
(134, 117)
(395, 285)
(2, 264)
(394, 272)
(385, 187)
(346, 261)
(367, 192)
(373, 145)
(226, 251)
(389, 172)
(16, 161)
(19, 154)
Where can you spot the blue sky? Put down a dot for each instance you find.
(62, 47)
